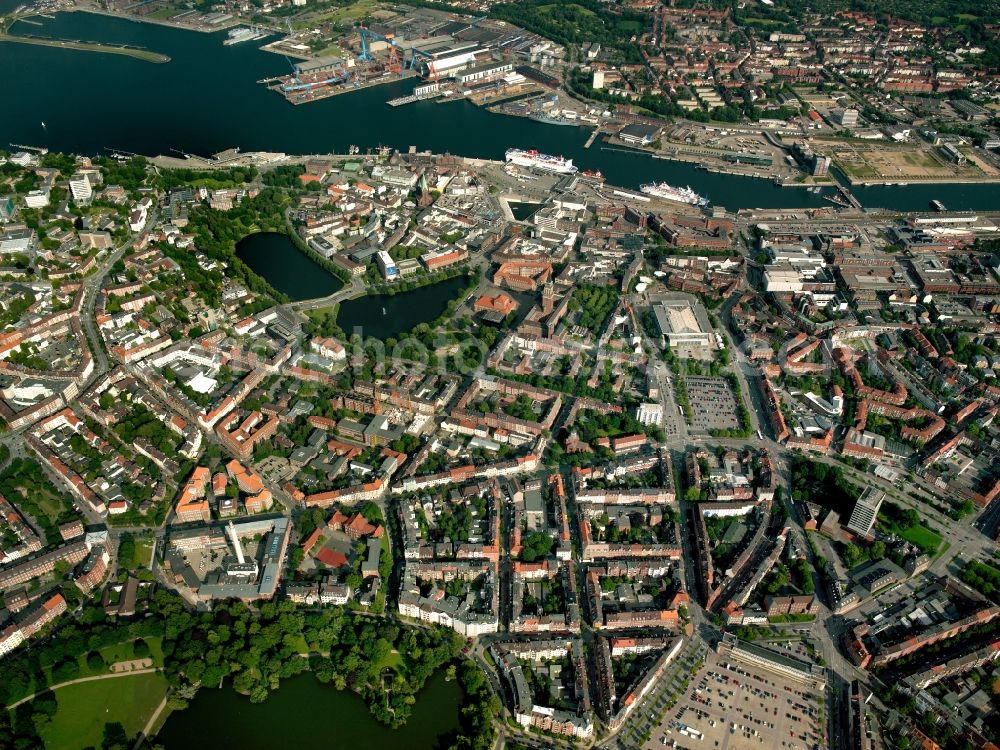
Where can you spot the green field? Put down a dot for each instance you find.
(123, 651)
(163, 14)
(393, 659)
(333, 49)
(922, 537)
(586, 12)
(299, 644)
(118, 652)
(353, 12)
(85, 708)
(859, 171)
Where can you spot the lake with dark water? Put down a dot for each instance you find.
(274, 256)
(304, 714)
(388, 315)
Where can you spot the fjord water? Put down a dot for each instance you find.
(206, 99)
(307, 715)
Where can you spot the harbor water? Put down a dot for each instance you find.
(206, 99)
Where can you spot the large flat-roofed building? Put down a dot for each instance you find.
(683, 325)
(485, 71)
(639, 133)
(439, 57)
(866, 511)
(319, 65)
(783, 278)
(237, 576)
(762, 658)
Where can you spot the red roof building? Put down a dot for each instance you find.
(331, 558)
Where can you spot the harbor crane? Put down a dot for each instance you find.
(431, 71)
(394, 64)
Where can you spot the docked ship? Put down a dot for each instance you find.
(671, 193)
(244, 34)
(546, 163)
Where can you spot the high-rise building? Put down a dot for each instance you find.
(821, 165)
(386, 265)
(81, 188)
(866, 511)
(849, 118)
(37, 198)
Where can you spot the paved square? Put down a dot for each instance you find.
(713, 404)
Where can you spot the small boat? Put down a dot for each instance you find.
(383, 311)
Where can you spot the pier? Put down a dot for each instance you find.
(401, 100)
(37, 149)
(122, 49)
(593, 137)
(299, 91)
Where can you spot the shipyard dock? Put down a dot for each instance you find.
(313, 85)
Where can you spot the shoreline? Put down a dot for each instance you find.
(929, 181)
(674, 158)
(156, 21)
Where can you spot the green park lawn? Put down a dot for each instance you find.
(118, 652)
(143, 550)
(393, 659)
(164, 14)
(124, 652)
(893, 521)
(298, 642)
(86, 707)
(922, 537)
(353, 12)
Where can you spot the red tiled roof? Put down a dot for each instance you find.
(331, 558)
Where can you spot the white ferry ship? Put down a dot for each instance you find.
(532, 158)
(671, 193)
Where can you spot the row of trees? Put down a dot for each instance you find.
(983, 578)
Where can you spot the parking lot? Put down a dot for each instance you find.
(713, 405)
(655, 707)
(734, 708)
